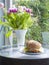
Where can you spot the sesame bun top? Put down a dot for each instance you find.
(33, 44)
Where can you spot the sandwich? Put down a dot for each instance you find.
(33, 46)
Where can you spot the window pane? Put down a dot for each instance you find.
(2, 37)
(40, 29)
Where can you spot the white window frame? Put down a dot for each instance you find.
(8, 3)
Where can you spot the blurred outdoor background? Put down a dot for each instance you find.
(40, 29)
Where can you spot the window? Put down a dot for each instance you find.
(40, 29)
(2, 37)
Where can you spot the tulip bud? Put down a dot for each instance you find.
(13, 10)
(1, 5)
(28, 10)
(8, 12)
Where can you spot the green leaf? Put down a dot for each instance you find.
(4, 23)
(8, 33)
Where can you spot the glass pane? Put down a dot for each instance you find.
(2, 37)
(39, 31)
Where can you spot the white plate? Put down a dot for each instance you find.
(31, 53)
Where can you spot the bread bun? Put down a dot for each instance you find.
(34, 46)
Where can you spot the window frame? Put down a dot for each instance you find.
(8, 3)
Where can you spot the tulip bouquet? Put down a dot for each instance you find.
(18, 18)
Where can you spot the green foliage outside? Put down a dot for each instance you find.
(41, 11)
